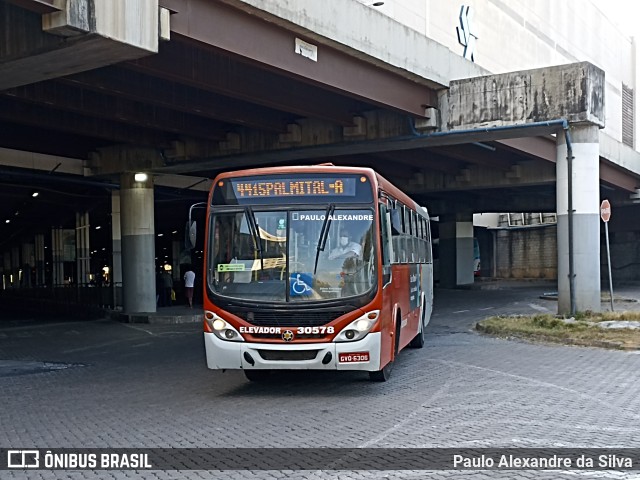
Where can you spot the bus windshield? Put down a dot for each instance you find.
(292, 255)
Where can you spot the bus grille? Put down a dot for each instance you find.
(289, 318)
(288, 355)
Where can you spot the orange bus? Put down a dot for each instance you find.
(314, 267)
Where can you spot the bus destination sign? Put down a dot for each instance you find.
(294, 187)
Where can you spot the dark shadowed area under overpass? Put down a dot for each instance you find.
(214, 99)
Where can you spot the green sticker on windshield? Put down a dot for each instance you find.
(231, 267)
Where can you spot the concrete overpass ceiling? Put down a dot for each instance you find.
(59, 196)
(42, 139)
(56, 201)
(195, 91)
(37, 6)
(183, 92)
(228, 91)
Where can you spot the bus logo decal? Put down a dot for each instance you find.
(287, 335)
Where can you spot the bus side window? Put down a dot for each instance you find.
(396, 221)
(406, 248)
(398, 226)
(386, 247)
(411, 249)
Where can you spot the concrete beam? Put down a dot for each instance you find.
(619, 154)
(183, 182)
(572, 92)
(363, 32)
(41, 162)
(38, 6)
(82, 36)
(489, 201)
(619, 164)
(383, 136)
(112, 108)
(119, 159)
(496, 107)
(479, 177)
(128, 84)
(277, 45)
(617, 177)
(543, 148)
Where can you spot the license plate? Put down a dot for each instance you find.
(353, 357)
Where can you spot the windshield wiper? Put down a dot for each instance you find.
(255, 233)
(324, 234)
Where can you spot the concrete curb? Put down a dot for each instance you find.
(611, 345)
(155, 318)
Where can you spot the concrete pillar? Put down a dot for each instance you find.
(39, 259)
(586, 219)
(82, 248)
(57, 249)
(115, 274)
(28, 262)
(15, 266)
(175, 260)
(6, 270)
(138, 244)
(456, 250)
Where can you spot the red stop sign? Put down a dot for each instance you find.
(605, 211)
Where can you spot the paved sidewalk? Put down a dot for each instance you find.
(165, 315)
(109, 384)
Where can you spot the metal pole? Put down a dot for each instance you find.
(570, 157)
(606, 234)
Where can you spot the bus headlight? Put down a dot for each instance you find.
(221, 328)
(359, 328)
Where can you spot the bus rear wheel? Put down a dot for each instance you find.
(418, 340)
(257, 375)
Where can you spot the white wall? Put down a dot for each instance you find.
(418, 38)
(523, 34)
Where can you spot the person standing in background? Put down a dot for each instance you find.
(167, 286)
(189, 279)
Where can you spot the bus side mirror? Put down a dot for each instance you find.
(190, 230)
(190, 235)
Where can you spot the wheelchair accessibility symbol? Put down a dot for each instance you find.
(299, 284)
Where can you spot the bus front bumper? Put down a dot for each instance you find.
(312, 356)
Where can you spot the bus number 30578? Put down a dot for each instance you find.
(315, 330)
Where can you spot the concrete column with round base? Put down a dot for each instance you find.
(138, 244)
(586, 219)
(456, 251)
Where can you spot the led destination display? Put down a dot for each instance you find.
(275, 187)
(282, 188)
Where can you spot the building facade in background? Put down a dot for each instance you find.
(520, 35)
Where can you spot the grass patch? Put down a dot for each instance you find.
(582, 331)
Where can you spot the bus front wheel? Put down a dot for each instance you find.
(383, 374)
(257, 375)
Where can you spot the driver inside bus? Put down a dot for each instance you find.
(346, 248)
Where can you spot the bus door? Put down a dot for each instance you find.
(388, 293)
